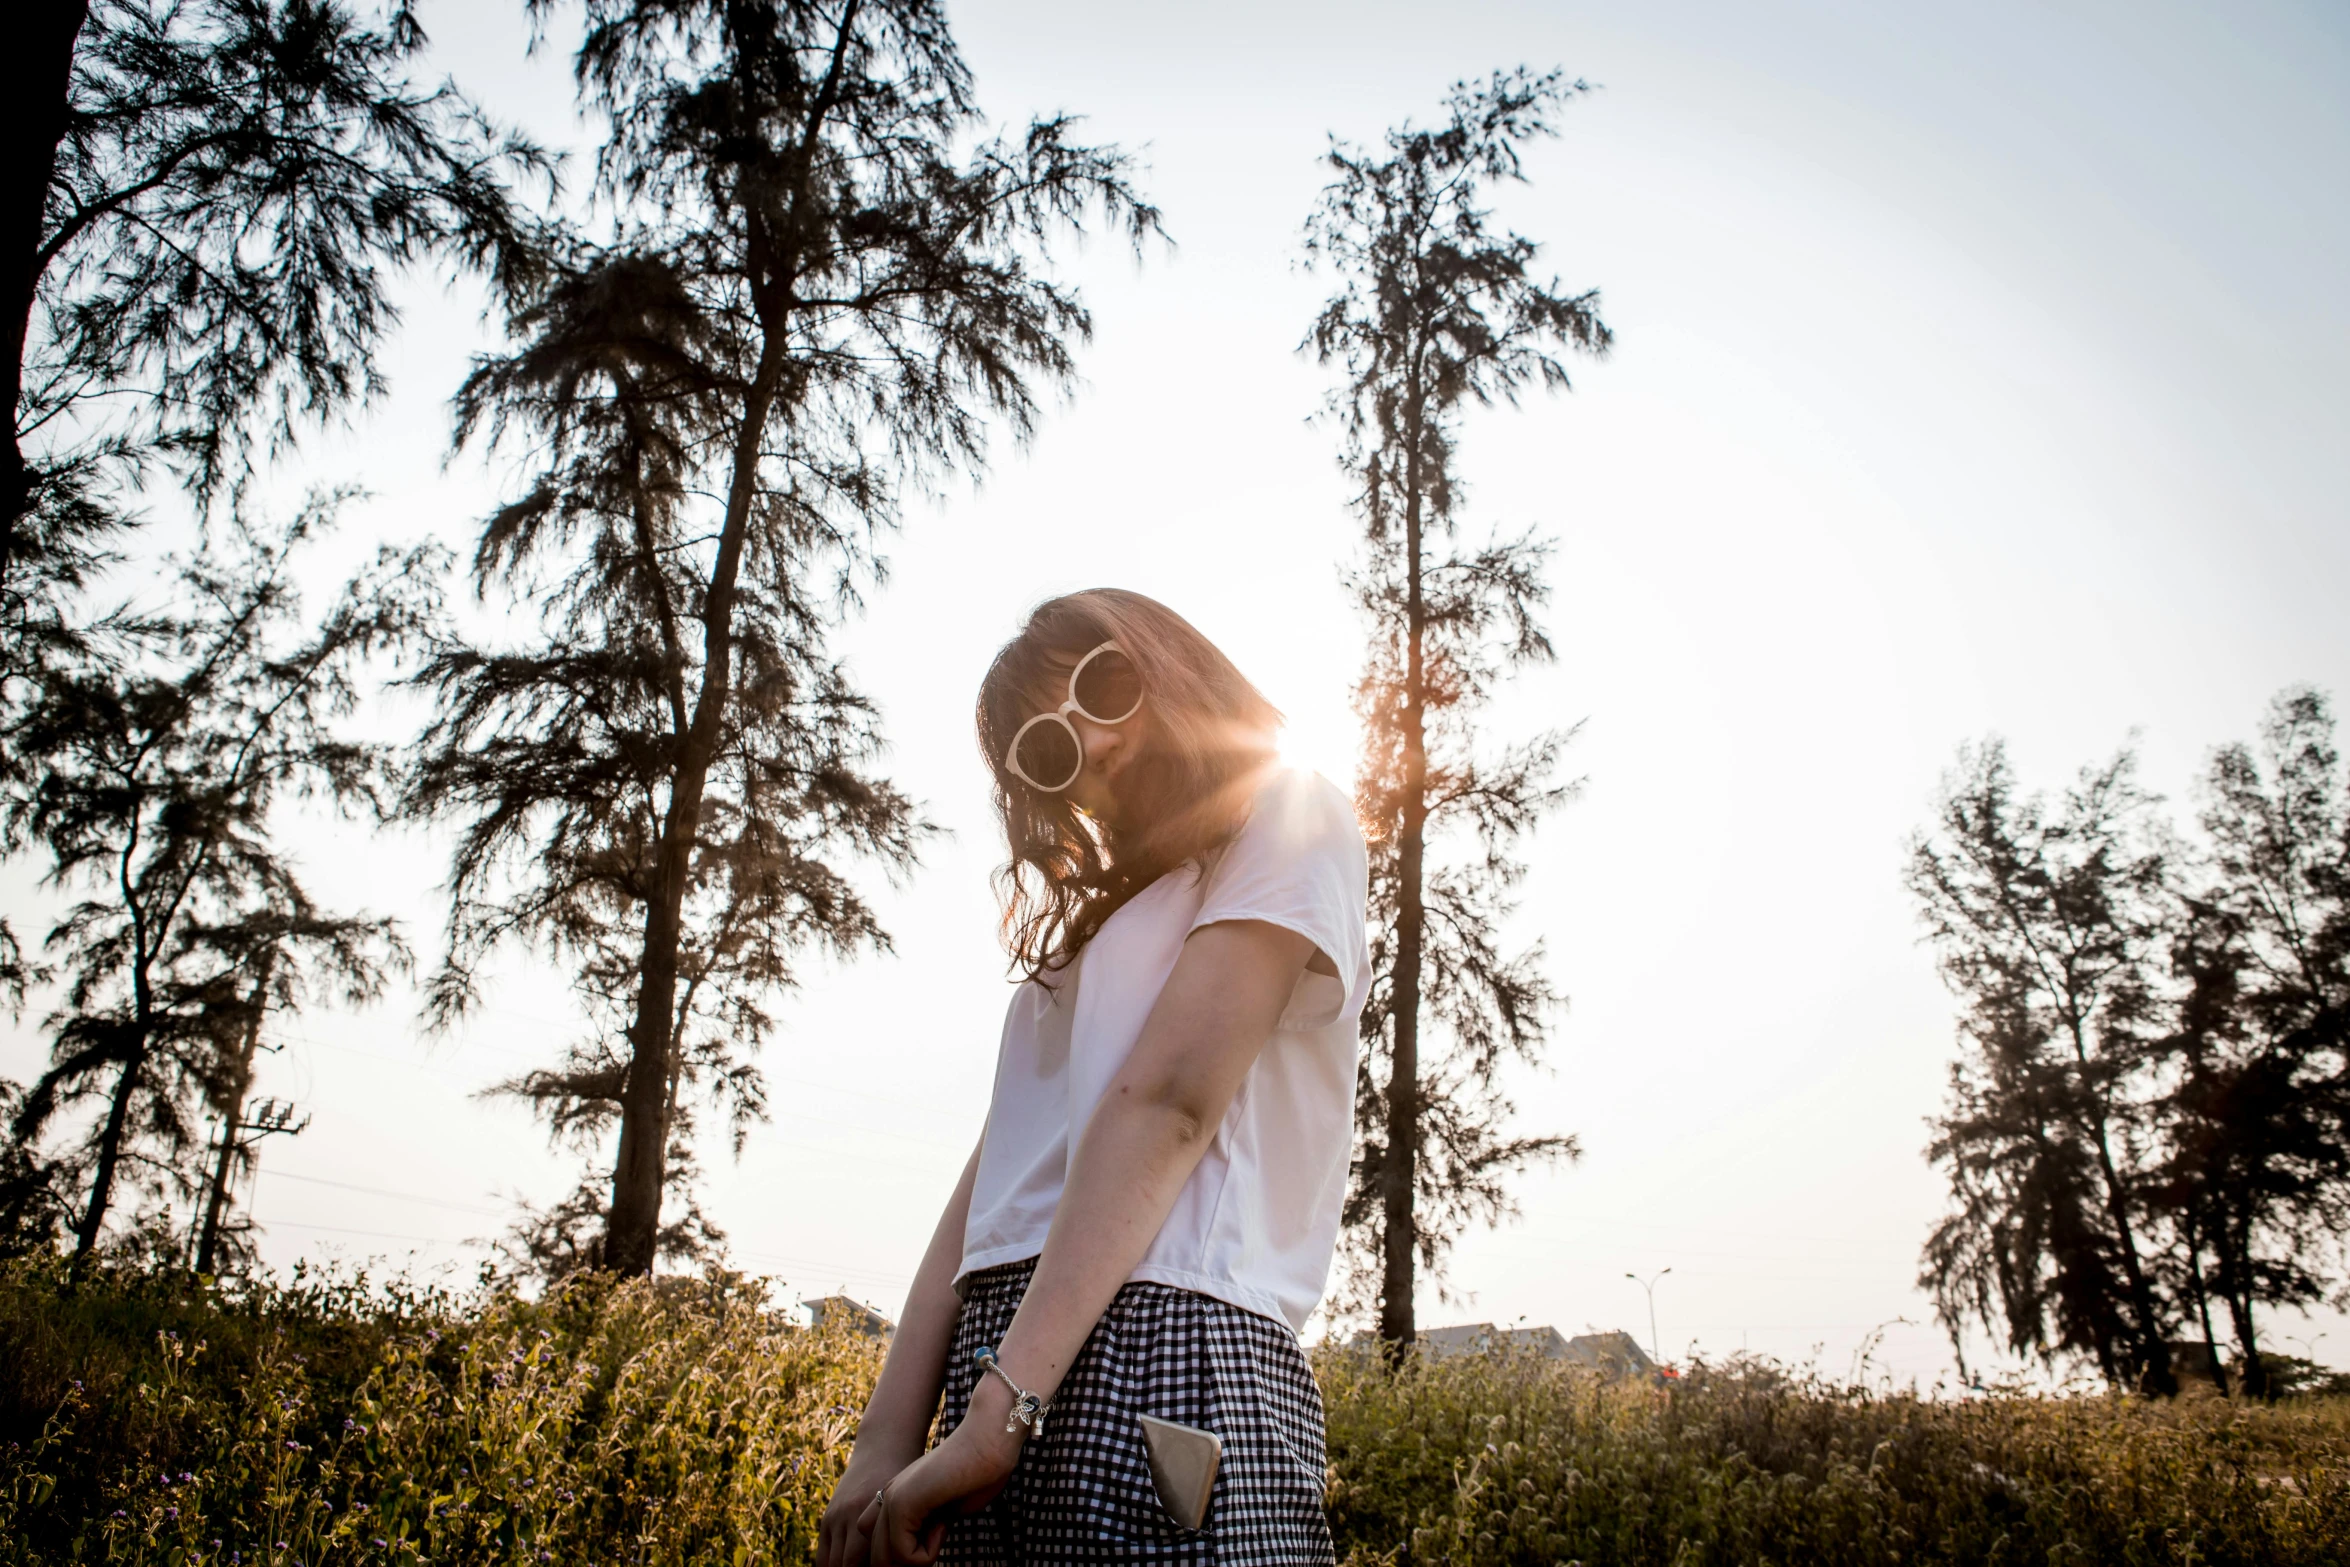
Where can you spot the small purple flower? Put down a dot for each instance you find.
(171, 1512)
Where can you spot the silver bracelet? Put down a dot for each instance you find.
(1027, 1409)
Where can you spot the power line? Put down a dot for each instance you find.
(346, 1229)
(382, 1191)
(797, 1264)
(518, 1052)
(938, 1143)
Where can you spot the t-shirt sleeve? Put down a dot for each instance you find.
(1300, 863)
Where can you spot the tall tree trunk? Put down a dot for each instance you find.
(118, 1114)
(632, 1233)
(1399, 1229)
(2250, 1367)
(2152, 1353)
(2219, 1374)
(2236, 1289)
(38, 77)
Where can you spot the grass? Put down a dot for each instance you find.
(664, 1421)
(678, 1420)
(1497, 1459)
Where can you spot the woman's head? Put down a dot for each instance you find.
(1145, 793)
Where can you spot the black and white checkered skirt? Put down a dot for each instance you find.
(1083, 1492)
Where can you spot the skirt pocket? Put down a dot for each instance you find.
(1093, 1492)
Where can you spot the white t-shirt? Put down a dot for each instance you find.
(1258, 1220)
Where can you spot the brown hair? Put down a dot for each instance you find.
(1212, 738)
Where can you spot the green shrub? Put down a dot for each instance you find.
(649, 1421)
(1483, 1460)
(144, 1419)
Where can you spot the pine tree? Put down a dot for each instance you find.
(204, 204)
(812, 296)
(2258, 1123)
(2050, 923)
(167, 741)
(1436, 311)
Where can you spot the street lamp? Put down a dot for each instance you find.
(1649, 1284)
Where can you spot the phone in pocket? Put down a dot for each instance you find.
(1183, 1463)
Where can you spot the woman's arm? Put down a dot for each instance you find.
(1155, 1119)
(896, 1426)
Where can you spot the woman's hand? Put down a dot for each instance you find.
(961, 1475)
(896, 1423)
(842, 1540)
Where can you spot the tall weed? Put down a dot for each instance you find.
(664, 1421)
(143, 1419)
(1487, 1460)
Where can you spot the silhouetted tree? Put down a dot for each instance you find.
(202, 206)
(546, 1245)
(810, 297)
(167, 740)
(33, 1214)
(1436, 311)
(2050, 924)
(726, 972)
(2258, 1122)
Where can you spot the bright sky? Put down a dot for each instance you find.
(1978, 369)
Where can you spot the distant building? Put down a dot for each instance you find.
(854, 1315)
(1615, 1355)
(2194, 1365)
(1470, 1337)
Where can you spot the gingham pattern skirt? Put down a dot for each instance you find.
(1083, 1491)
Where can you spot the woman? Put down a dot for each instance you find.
(1150, 1214)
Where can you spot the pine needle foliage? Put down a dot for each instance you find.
(1437, 311)
(2150, 1117)
(2256, 1124)
(168, 744)
(2047, 919)
(814, 292)
(205, 204)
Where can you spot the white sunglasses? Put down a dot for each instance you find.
(1104, 688)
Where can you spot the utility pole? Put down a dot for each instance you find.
(1649, 1284)
(239, 1136)
(269, 1118)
